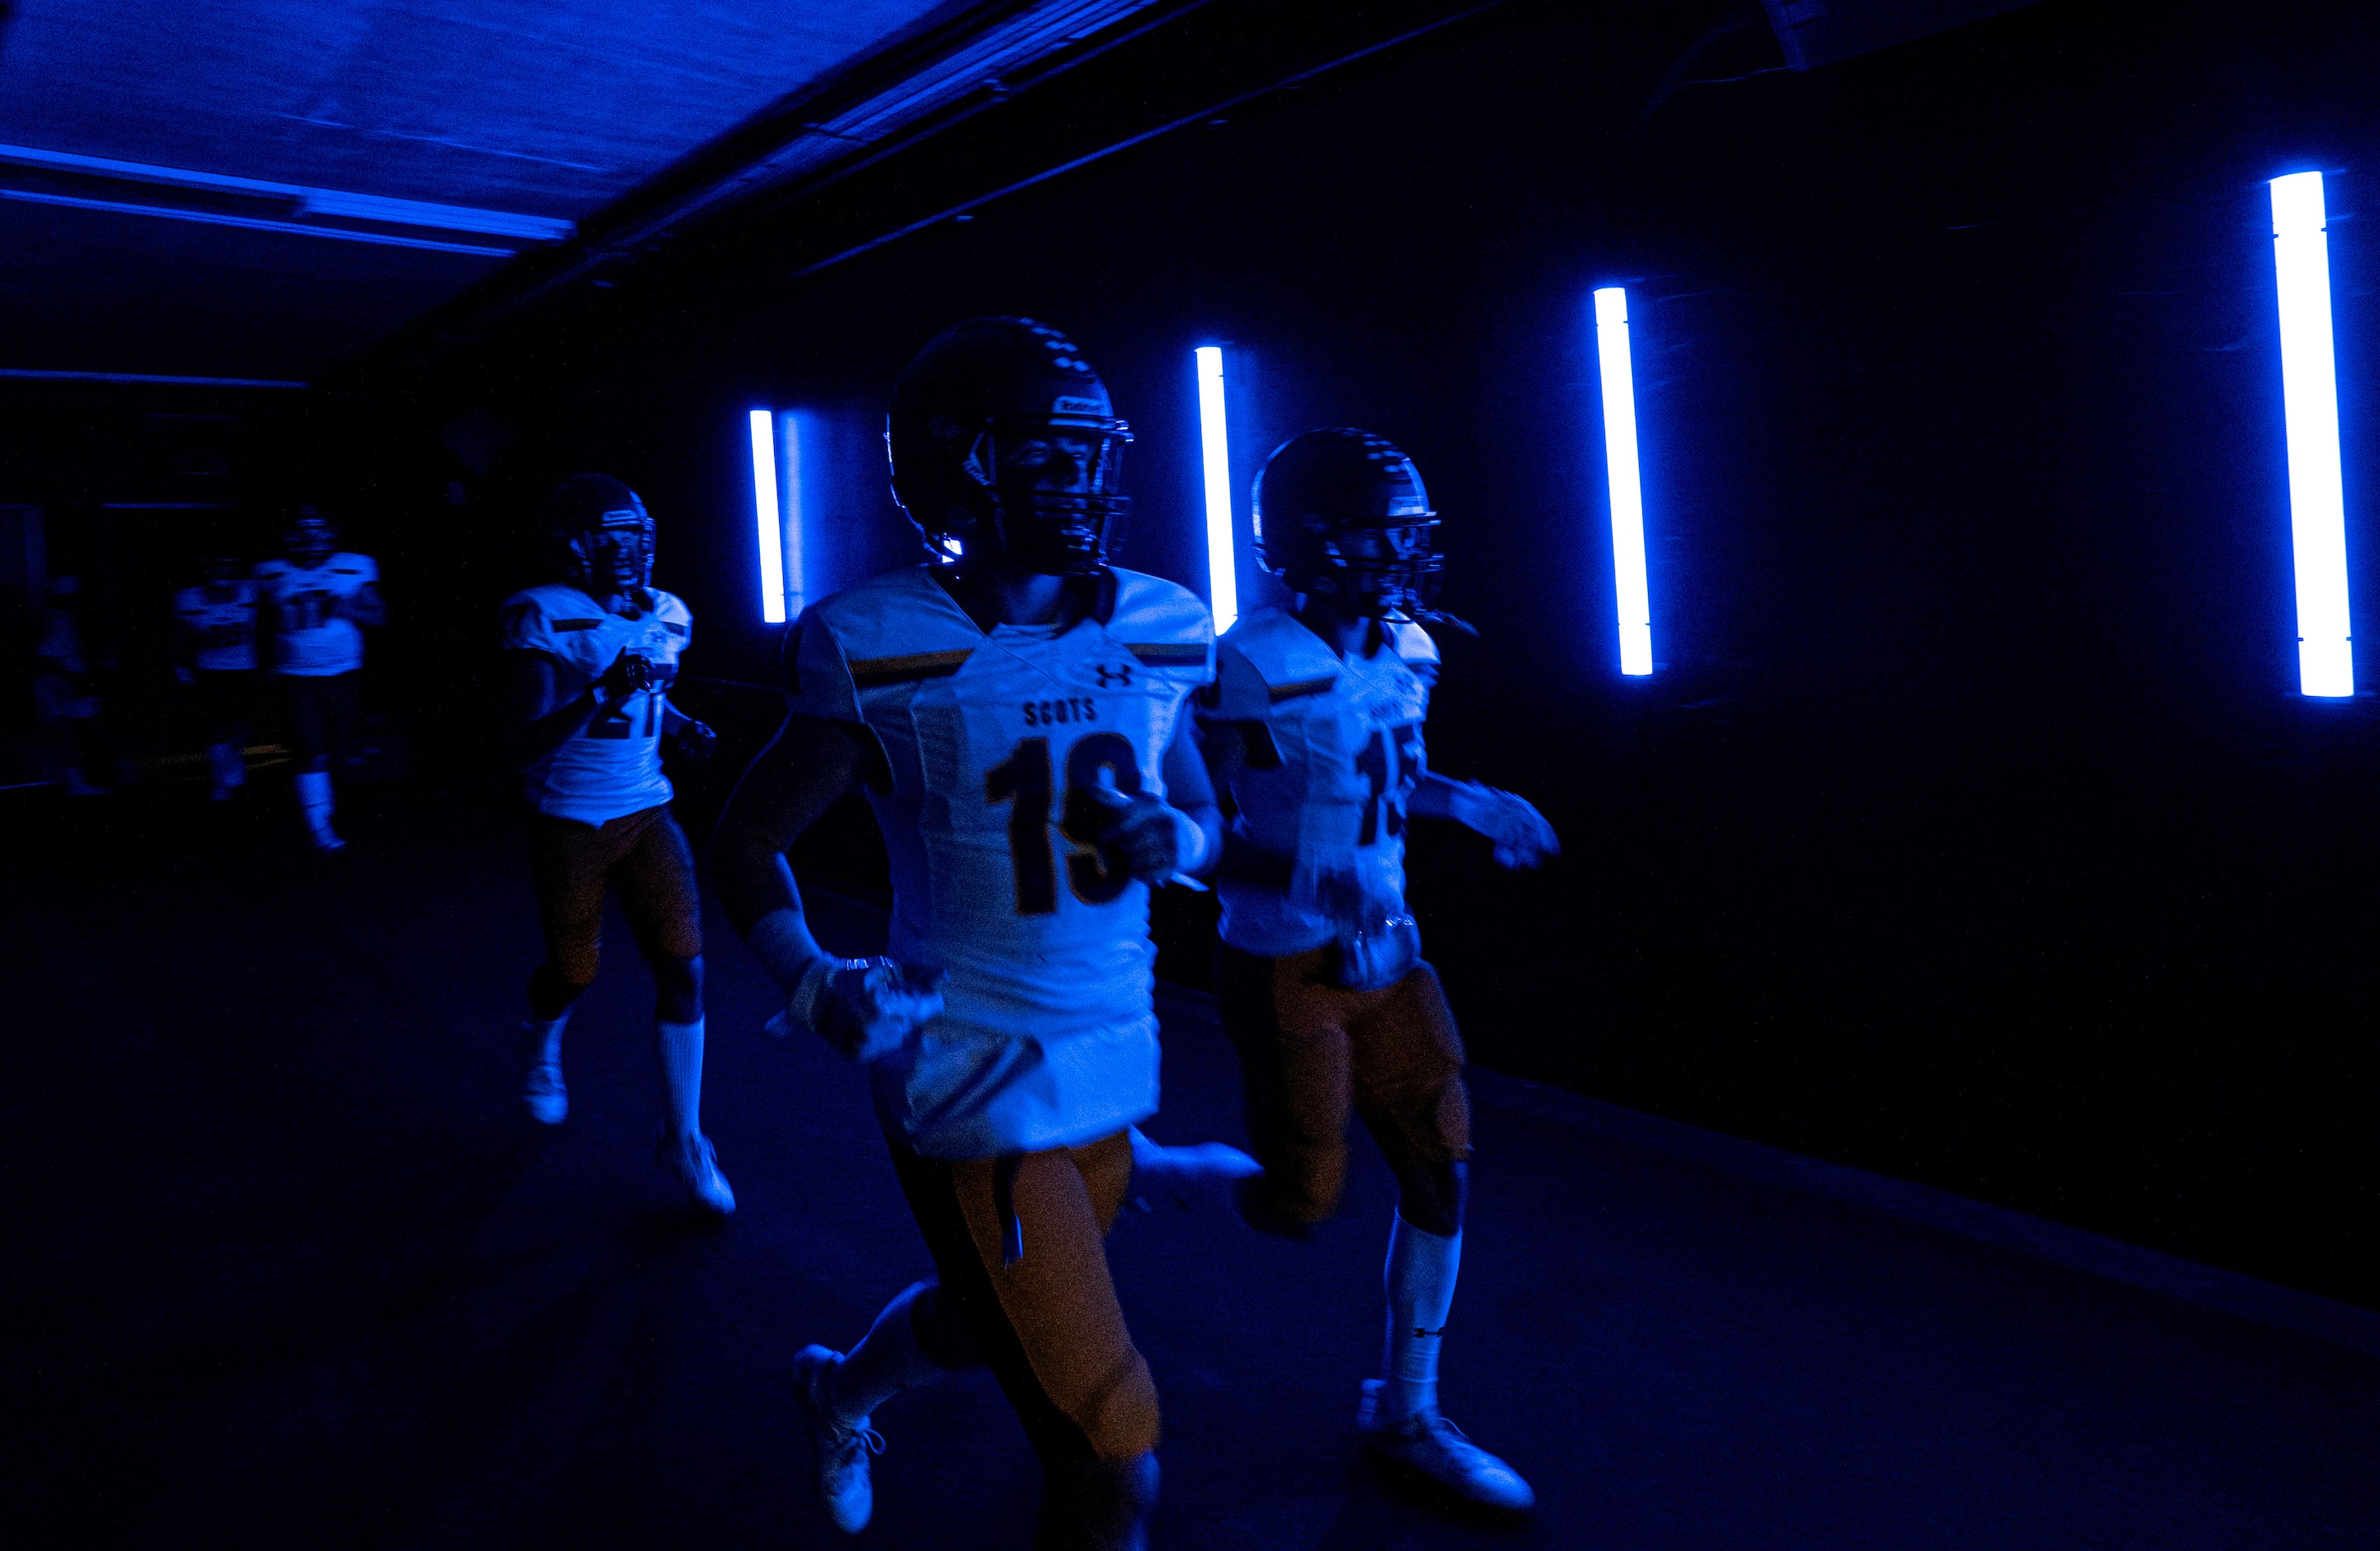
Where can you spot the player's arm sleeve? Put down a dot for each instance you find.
(1239, 692)
(370, 607)
(524, 627)
(268, 613)
(818, 677)
(1234, 719)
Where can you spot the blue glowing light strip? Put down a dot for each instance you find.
(764, 505)
(2310, 401)
(1215, 453)
(1627, 491)
(797, 513)
(216, 218)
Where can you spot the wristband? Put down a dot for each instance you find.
(781, 941)
(803, 1003)
(1473, 806)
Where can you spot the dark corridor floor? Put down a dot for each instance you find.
(299, 1275)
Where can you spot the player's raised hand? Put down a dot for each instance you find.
(864, 1008)
(1154, 839)
(627, 674)
(1523, 837)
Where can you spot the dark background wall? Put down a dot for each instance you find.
(1971, 830)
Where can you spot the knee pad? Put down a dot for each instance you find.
(679, 973)
(551, 990)
(1098, 1504)
(1260, 1210)
(938, 1328)
(1430, 1197)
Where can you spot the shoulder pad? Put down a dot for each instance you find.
(1290, 659)
(535, 617)
(1411, 642)
(1162, 624)
(896, 628)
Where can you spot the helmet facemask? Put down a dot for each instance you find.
(1004, 448)
(1370, 570)
(612, 554)
(311, 540)
(1008, 471)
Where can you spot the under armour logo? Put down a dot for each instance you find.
(1110, 677)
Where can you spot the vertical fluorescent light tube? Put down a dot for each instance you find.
(772, 530)
(796, 584)
(2310, 403)
(1627, 491)
(1215, 450)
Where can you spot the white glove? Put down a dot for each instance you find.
(1523, 837)
(865, 1008)
(1154, 839)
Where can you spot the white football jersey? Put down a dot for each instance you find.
(613, 765)
(1333, 753)
(222, 629)
(1049, 1035)
(309, 641)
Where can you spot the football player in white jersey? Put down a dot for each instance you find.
(589, 661)
(317, 602)
(1014, 710)
(1313, 731)
(215, 655)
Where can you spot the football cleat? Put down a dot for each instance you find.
(839, 1452)
(548, 1100)
(1431, 1445)
(696, 1168)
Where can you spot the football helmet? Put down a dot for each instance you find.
(1002, 442)
(310, 537)
(1341, 513)
(602, 535)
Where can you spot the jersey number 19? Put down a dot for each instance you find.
(1023, 781)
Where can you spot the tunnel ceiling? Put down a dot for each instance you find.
(260, 187)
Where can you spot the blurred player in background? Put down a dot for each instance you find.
(589, 661)
(1013, 710)
(66, 693)
(1312, 732)
(214, 653)
(316, 603)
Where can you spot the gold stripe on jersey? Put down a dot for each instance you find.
(1163, 654)
(875, 673)
(1281, 692)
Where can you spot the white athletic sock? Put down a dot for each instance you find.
(680, 1048)
(543, 1039)
(1420, 1276)
(887, 1360)
(314, 799)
